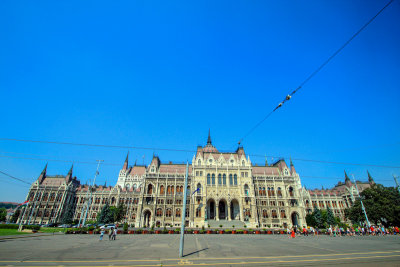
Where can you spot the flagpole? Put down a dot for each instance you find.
(184, 211)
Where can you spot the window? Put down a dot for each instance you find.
(187, 213)
(168, 213)
(283, 214)
(279, 192)
(150, 189)
(269, 191)
(161, 190)
(159, 213)
(224, 179)
(272, 191)
(290, 191)
(265, 214)
(198, 189)
(243, 163)
(219, 179)
(235, 179)
(199, 162)
(274, 214)
(230, 179)
(213, 179)
(178, 213)
(198, 212)
(247, 213)
(208, 179)
(246, 190)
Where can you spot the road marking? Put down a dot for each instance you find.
(245, 263)
(194, 259)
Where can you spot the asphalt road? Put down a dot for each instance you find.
(202, 250)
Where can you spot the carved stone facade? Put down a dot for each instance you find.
(224, 189)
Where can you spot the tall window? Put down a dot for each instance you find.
(265, 214)
(274, 214)
(208, 179)
(283, 214)
(235, 179)
(279, 192)
(246, 190)
(159, 212)
(150, 189)
(291, 191)
(219, 179)
(168, 213)
(230, 179)
(272, 191)
(178, 213)
(213, 179)
(224, 179)
(198, 189)
(161, 190)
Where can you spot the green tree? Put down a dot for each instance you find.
(319, 222)
(382, 205)
(106, 215)
(3, 214)
(330, 218)
(310, 220)
(119, 212)
(67, 215)
(14, 217)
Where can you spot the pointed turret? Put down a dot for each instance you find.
(370, 179)
(68, 178)
(266, 161)
(125, 167)
(292, 169)
(43, 174)
(209, 138)
(346, 179)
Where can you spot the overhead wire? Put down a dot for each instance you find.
(15, 178)
(289, 96)
(167, 149)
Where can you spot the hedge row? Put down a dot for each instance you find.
(9, 226)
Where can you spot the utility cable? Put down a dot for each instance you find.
(15, 178)
(289, 96)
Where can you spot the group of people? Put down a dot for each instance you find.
(349, 231)
(111, 235)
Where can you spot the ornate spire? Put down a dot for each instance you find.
(209, 138)
(69, 175)
(370, 179)
(44, 170)
(346, 178)
(125, 167)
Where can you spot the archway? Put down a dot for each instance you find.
(146, 218)
(235, 210)
(295, 219)
(210, 209)
(222, 209)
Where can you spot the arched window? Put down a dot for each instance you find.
(198, 212)
(150, 189)
(260, 191)
(283, 214)
(269, 191)
(274, 214)
(128, 186)
(134, 187)
(199, 162)
(213, 179)
(243, 163)
(46, 213)
(178, 213)
(172, 189)
(45, 196)
(219, 179)
(264, 193)
(265, 214)
(168, 213)
(246, 190)
(247, 213)
(187, 213)
(235, 179)
(159, 212)
(279, 192)
(199, 189)
(230, 179)
(181, 189)
(208, 179)
(224, 179)
(272, 191)
(290, 191)
(161, 190)
(52, 196)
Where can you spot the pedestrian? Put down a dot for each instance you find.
(114, 234)
(110, 235)
(101, 233)
(293, 235)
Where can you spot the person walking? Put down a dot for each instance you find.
(110, 235)
(293, 234)
(114, 234)
(101, 233)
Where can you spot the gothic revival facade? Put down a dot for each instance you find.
(225, 189)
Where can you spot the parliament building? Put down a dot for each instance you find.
(225, 189)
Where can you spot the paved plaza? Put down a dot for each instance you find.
(203, 250)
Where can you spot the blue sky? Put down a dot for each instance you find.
(160, 74)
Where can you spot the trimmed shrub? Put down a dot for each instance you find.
(9, 226)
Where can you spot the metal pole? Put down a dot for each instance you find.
(91, 191)
(23, 215)
(184, 211)
(362, 205)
